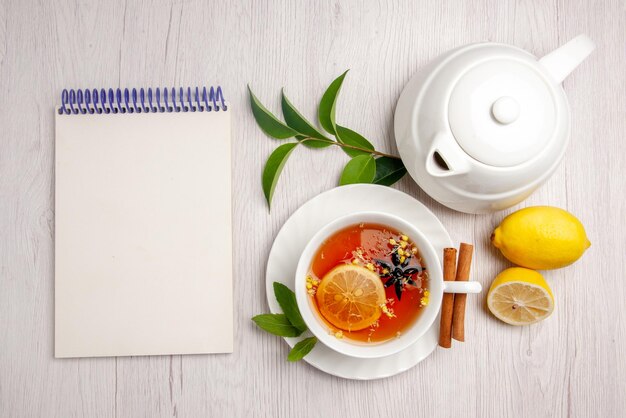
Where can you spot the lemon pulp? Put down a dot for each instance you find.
(350, 297)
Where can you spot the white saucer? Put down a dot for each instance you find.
(305, 222)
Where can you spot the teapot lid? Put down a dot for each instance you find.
(502, 112)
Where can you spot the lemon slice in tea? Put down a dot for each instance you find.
(350, 297)
(519, 296)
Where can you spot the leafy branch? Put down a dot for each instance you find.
(287, 324)
(366, 165)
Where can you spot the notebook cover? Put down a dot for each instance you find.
(143, 234)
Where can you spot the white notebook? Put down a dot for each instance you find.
(143, 223)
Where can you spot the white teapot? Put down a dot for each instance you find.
(482, 126)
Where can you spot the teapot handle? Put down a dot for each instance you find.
(445, 157)
(562, 61)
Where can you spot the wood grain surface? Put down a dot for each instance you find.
(569, 365)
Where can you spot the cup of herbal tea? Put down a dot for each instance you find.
(370, 284)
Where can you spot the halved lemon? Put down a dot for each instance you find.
(350, 297)
(519, 296)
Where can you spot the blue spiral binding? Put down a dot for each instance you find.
(158, 100)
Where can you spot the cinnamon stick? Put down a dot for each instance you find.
(449, 274)
(462, 274)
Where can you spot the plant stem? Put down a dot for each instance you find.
(339, 144)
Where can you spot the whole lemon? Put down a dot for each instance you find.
(541, 238)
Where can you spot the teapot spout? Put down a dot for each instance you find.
(562, 61)
(445, 157)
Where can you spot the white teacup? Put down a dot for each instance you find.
(436, 286)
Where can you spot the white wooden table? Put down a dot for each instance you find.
(569, 365)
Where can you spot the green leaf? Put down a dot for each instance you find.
(276, 324)
(388, 170)
(360, 169)
(301, 349)
(349, 137)
(287, 301)
(326, 109)
(299, 123)
(267, 121)
(273, 168)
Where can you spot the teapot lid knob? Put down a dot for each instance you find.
(505, 110)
